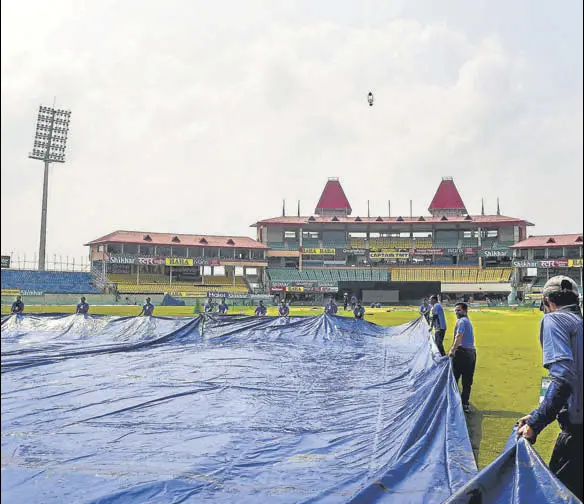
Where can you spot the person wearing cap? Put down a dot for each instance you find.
(331, 307)
(283, 310)
(560, 336)
(82, 307)
(260, 310)
(147, 309)
(17, 306)
(463, 353)
(359, 311)
(438, 323)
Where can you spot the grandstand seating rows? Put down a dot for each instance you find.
(53, 282)
(392, 243)
(328, 275)
(157, 284)
(451, 274)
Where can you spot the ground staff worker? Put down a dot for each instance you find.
(463, 353)
(438, 323)
(560, 336)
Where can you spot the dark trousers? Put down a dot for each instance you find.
(463, 365)
(439, 340)
(566, 461)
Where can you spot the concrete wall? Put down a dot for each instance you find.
(478, 287)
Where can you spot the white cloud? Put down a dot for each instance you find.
(200, 120)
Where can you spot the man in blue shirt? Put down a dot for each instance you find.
(261, 310)
(223, 307)
(209, 306)
(560, 336)
(147, 309)
(359, 311)
(283, 310)
(463, 353)
(425, 310)
(438, 323)
(331, 307)
(82, 307)
(17, 306)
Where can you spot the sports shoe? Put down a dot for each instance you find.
(466, 408)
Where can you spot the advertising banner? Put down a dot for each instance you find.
(355, 251)
(318, 251)
(574, 263)
(122, 259)
(523, 263)
(277, 288)
(553, 263)
(389, 255)
(150, 261)
(459, 251)
(217, 294)
(495, 253)
(31, 292)
(429, 251)
(178, 261)
(294, 288)
(10, 292)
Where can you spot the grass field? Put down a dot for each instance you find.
(507, 378)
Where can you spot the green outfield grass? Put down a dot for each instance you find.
(507, 378)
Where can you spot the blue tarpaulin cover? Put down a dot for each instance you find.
(236, 409)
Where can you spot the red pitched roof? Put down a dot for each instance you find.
(333, 197)
(547, 241)
(447, 197)
(137, 237)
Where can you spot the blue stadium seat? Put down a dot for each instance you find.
(54, 282)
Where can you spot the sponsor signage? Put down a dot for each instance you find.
(318, 251)
(325, 289)
(122, 259)
(10, 292)
(522, 263)
(294, 288)
(429, 251)
(178, 261)
(334, 263)
(458, 251)
(6, 261)
(555, 263)
(389, 255)
(494, 253)
(217, 294)
(547, 263)
(31, 292)
(355, 251)
(278, 288)
(148, 261)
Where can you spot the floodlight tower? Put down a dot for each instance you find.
(50, 141)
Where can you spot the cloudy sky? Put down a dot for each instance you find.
(200, 117)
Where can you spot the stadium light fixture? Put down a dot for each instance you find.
(50, 142)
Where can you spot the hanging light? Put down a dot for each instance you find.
(370, 99)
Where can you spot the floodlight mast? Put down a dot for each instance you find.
(50, 141)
